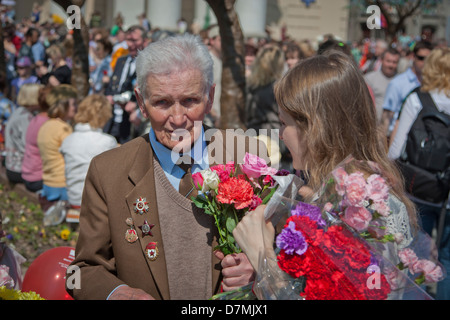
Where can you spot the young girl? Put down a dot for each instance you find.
(328, 118)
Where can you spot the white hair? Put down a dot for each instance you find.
(174, 54)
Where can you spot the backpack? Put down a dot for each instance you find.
(425, 159)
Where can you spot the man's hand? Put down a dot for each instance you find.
(237, 270)
(127, 293)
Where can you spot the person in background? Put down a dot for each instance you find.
(86, 141)
(374, 63)
(9, 31)
(378, 80)
(6, 108)
(31, 37)
(120, 90)
(16, 129)
(24, 75)
(262, 109)
(32, 162)
(99, 77)
(250, 55)
(293, 54)
(401, 85)
(435, 80)
(62, 108)
(60, 72)
(215, 49)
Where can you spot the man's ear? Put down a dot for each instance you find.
(140, 101)
(211, 93)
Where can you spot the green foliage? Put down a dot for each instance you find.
(25, 232)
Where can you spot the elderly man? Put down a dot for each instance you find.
(141, 237)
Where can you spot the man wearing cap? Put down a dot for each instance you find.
(24, 72)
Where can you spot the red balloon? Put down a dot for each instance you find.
(47, 274)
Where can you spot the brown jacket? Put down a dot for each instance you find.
(114, 181)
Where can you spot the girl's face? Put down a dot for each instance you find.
(72, 109)
(292, 138)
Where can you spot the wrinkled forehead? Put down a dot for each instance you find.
(191, 80)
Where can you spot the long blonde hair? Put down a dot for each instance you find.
(334, 111)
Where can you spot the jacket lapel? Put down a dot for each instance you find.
(142, 176)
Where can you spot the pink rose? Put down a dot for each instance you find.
(197, 178)
(255, 167)
(408, 257)
(355, 189)
(340, 176)
(357, 218)
(377, 188)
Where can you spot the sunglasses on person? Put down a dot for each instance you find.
(421, 58)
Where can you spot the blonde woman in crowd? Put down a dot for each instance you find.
(87, 141)
(16, 129)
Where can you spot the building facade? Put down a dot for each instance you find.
(298, 19)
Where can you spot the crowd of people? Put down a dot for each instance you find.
(49, 135)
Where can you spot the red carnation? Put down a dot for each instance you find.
(235, 191)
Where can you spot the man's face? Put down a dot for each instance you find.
(216, 44)
(34, 37)
(135, 42)
(389, 64)
(419, 59)
(174, 103)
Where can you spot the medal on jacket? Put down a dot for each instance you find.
(131, 234)
(151, 250)
(146, 228)
(141, 205)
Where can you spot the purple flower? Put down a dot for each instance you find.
(311, 211)
(291, 240)
(282, 172)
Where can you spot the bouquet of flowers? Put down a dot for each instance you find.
(345, 246)
(227, 192)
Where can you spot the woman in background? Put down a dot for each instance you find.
(62, 108)
(32, 162)
(87, 141)
(16, 129)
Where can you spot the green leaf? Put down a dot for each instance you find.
(267, 198)
(230, 224)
